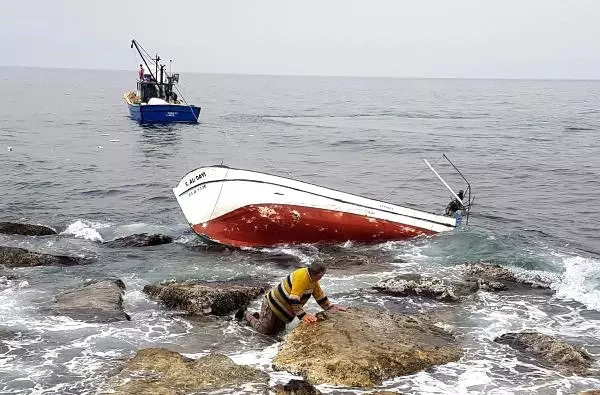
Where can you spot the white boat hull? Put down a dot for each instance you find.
(243, 208)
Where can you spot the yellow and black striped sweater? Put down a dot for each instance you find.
(287, 299)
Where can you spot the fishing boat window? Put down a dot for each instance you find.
(147, 91)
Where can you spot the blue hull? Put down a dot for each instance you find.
(164, 113)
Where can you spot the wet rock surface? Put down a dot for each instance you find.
(7, 275)
(362, 347)
(7, 278)
(139, 240)
(549, 350)
(475, 277)
(20, 257)
(491, 272)
(25, 229)
(158, 371)
(296, 387)
(434, 288)
(98, 301)
(207, 297)
(353, 259)
(210, 248)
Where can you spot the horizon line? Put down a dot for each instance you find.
(319, 75)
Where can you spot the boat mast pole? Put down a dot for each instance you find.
(444, 182)
(134, 43)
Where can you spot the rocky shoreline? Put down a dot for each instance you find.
(359, 348)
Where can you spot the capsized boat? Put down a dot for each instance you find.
(155, 100)
(243, 208)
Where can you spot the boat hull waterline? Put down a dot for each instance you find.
(242, 208)
(163, 113)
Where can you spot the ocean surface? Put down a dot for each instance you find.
(77, 163)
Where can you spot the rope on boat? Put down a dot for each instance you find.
(186, 103)
(409, 180)
(218, 196)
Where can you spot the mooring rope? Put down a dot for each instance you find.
(409, 180)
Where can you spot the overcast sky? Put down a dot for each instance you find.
(417, 38)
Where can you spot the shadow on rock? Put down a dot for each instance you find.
(161, 371)
(139, 240)
(20, 257)
(549, 350)
(207, 297)
(25, 229)
(364, 347)
(98, 301)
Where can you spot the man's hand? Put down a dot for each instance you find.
(309, 318)
(336, 308)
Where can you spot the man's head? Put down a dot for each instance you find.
(316, 271)
(461, 194)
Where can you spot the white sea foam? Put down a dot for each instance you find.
(138, 227)
(580, 281)
(86, 230)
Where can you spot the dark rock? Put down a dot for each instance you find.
(354, 259)
(493, 273)
(97, 301)
(280, 259)
(549, 350)
(8, 275)
(207, 297)
(19, 257)
(296, 387)
(160, 371)
(7, 278)
(218, 248)
(139, 240)
(25, 229)
(343, 261)
(417, 285)
(364, 347)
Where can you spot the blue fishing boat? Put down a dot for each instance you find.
(156, 99)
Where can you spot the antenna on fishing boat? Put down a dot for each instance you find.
(467, 205)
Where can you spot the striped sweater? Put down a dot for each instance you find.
(287, 299)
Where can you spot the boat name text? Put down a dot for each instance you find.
(194, 179)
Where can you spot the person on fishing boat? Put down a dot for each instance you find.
(141, 73)
(285, 302)
(455, 204)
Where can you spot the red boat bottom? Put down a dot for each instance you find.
(271, 224)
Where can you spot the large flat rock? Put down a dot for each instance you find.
(25, 229)
(362, 348)
(20, 257)
(158, 371)
(207, 297)
(99, 301)
(549, 351)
